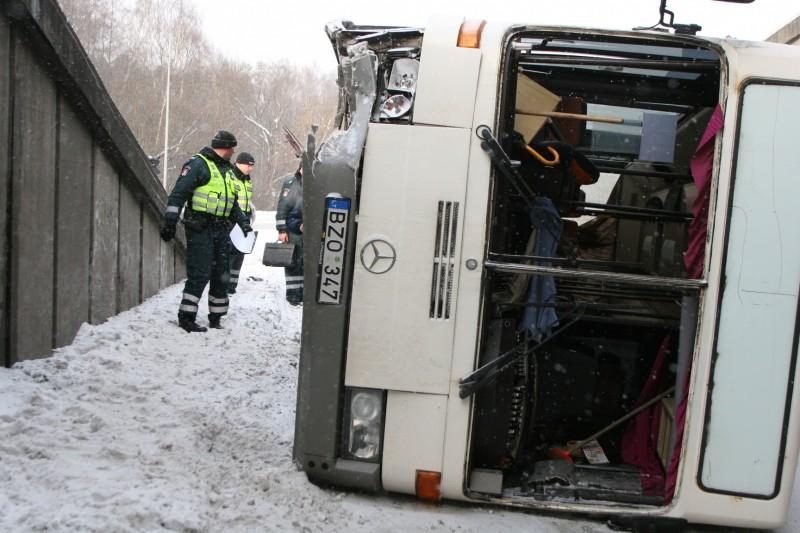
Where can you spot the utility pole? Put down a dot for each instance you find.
(166, 123)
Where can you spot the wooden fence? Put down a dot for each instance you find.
(80, 200)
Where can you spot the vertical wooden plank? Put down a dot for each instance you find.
(33, 206)
(167, 264)
(73, 227)
(5, 179)
(104, 241)
(179, 273)
(151, 255)
(129, 271)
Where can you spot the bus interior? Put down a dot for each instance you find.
(594, 264)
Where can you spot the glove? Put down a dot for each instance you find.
(167, 230)
(247, 228)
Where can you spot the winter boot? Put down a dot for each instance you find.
(214, 322)
(190, 326)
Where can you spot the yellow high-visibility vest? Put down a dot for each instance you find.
(215, 197)
(244, 192)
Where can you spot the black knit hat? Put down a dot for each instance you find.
(223, 139)
(245, 159)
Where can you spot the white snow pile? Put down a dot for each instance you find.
(139, 426)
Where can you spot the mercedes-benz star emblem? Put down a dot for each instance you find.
(378, 256)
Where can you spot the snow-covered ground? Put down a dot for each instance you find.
(139, 426)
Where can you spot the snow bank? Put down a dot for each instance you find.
(139, 426)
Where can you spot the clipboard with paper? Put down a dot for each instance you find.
(243, 243)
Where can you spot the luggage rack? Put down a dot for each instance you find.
(628, 279)
(593, 288)
(628, 212)
(535, 59)
(568, 261)
(613, 302)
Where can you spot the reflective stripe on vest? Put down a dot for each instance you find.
(216, 196)
(244, 191)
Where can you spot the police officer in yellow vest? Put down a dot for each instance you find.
(206, 187)
(244, 194)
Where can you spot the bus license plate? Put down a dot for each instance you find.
(337, 212)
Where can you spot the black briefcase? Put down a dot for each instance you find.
(278, 254)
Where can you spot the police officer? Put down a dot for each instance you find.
(206, 186)
(244, 193)
(289, 221)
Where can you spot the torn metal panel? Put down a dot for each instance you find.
(343, 34)
(359, 76)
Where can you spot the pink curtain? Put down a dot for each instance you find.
(678, 424)
(641, 435)
(701, 166)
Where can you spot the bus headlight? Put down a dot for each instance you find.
(363, 421)
(396, 106)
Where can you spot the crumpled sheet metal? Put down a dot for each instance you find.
(359, 76)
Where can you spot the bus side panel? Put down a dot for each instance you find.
(401, 319)
(474, 242)
(469, 298)
(448, 77)
(413, 438)
(757, 334)
(446, 95)
(747, 425)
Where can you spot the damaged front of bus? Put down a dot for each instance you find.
(515, 252)
(339, 429)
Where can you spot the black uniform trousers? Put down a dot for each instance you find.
(207, 256)
(294, 273)
(236, 261)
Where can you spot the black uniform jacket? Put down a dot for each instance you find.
(290, 202)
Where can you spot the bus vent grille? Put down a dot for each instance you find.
(444, 260)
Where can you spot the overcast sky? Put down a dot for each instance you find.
(293, 30)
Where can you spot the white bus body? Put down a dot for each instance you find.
(427, 232)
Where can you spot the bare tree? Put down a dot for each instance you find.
(208, 92)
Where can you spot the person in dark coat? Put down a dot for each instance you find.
(205, 186)
(244, 194)
(289, 222)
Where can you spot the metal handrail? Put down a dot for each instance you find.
(631, 279)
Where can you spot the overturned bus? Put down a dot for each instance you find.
(557, 269)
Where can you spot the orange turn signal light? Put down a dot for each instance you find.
(469, 35)
(428, 485)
